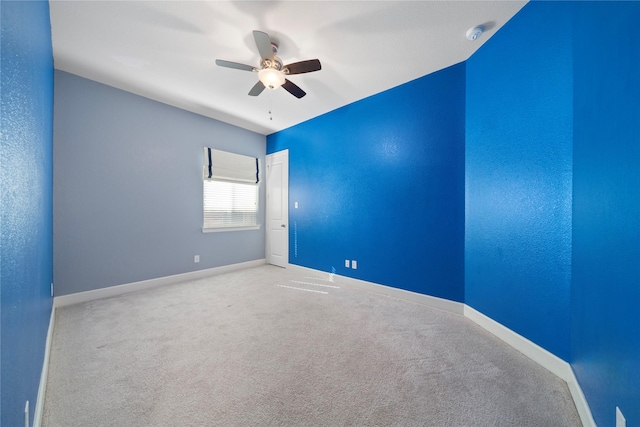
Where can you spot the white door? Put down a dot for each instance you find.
(277, 237)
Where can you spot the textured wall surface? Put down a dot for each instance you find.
(381, 181)
(128, 188)
(518, 177)
(605, 344)
(26, 203)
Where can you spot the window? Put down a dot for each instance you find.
(230, 195)
(229, 204)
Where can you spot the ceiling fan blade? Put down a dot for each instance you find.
(257, 89)
(263, 42)
(235, 65)
(303, 66)
(293, 89)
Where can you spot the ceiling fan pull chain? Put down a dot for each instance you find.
(270, 106)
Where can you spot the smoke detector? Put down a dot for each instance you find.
(475, 32)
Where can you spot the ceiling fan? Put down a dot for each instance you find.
(272, 73)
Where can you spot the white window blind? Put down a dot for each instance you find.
(231, 183)
(229, 204)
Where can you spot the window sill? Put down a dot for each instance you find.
(241, 228)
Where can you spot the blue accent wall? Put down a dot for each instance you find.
(605, 338)
(381, 181)
(26, 203)
(128, 188)
(519, 176)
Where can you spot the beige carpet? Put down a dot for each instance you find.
(267, 347)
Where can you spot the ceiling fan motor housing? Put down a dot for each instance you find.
(275, 63)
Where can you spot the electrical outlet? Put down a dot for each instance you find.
(621, 421)
(51, 288)
(196, 258)
(354, 264)
(26, 414)
(346, 263)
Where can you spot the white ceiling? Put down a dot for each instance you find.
(166, 50)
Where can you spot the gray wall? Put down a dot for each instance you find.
(128, 188)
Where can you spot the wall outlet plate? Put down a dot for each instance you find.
(354, 264)
(196, 258)
(346, 263)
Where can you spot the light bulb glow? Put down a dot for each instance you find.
(271, 78)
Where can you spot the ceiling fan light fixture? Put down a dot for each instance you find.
(271, 78)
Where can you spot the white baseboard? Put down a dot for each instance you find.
(401, 294)
(533, 351)
(44, 374)
(111, 291)
(539, 355)
(582, 406)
